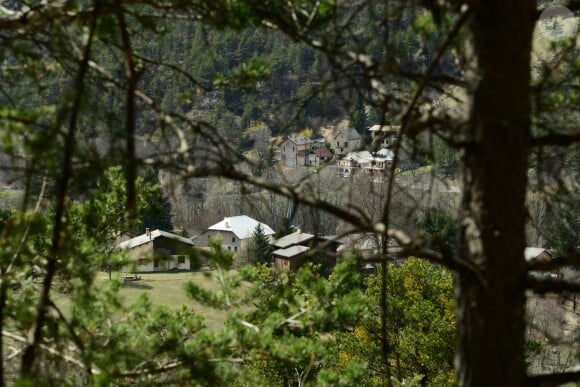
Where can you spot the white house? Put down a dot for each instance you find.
(235, 231)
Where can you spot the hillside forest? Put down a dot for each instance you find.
(121, 117)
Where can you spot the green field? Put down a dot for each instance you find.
(167, 289)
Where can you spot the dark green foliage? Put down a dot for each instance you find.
(441, 230)
(285, 228)
(566, 233)
(444, 157)
(259, 251)
(158, 214)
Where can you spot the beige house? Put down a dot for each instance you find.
(379, 163)
(346, 141)
(352, 162)
(158, 250)
(236, 232)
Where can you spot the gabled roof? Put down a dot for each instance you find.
(242, 226)
(300, 140)
(292, 239)
(382, 156)
(360, 157)
(291, 251)
(349, 133)
(321, 152)
(150, 236)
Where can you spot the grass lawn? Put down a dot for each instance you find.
(167, 289)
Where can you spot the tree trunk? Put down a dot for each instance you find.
(491, 298)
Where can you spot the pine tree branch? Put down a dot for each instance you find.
(36, 330)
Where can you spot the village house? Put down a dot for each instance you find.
(384, 136)
(291, 153)
(379, 163)
(374, 164)
(293, 250)
(236, 232)
(158, 250)
(346, 141)
(318, 157)
(352, 162)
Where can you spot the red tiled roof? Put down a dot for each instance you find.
(322, 152)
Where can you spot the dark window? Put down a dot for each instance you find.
(180, 259)
(234, 239)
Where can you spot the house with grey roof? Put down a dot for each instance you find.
(236, 233)
(292, 250)
(346, 141)
(290, 258)
(291, 153)
(158, 250)
(352, 162)
(296, 238)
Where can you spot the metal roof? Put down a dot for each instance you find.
(242, 226)
(292, 239)
(150, 236)
(349, 133)
(290, 251)
(300, 140)
(531, 253)
(360, 157)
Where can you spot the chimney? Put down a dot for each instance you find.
(227, 220)
(148, 232)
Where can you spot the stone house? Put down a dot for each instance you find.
(346, 141)
(291, 153)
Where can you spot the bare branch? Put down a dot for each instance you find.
(556, 379)
(551, 285)
(556, 139)
(572, 257)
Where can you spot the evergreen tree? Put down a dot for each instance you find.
(259, 251)
(285, 228)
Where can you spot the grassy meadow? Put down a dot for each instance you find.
(166, 289)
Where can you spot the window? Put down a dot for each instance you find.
(236, 249)
(233, 239)
(180, 259)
